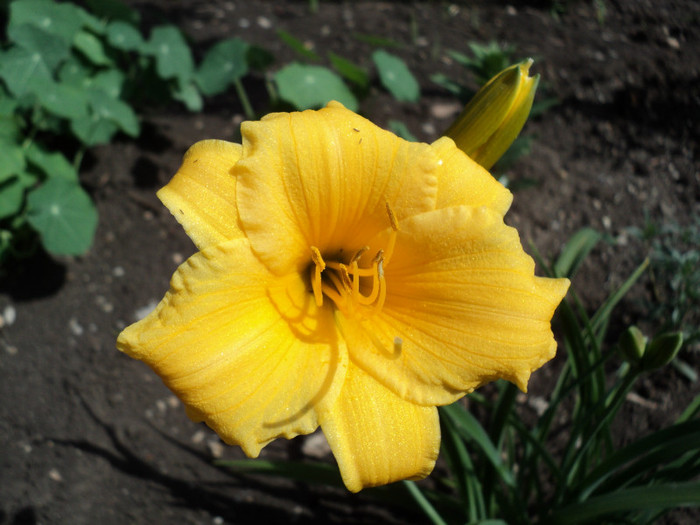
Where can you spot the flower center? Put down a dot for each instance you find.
(357, 291)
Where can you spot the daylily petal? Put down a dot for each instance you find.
(463, 307)
(377, 437)
(247, 352)
(324, 178)
(461, 181)
(202, 194)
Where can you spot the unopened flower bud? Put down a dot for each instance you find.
(632, 344)
(661, 350)
(492, 119)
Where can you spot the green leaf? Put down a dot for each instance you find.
(113, 10)
(111, 81)
(349, 70)
(115, 110)
(637, 498)
(63, 20)
(399, 128)
(63, 100)
(52, 164)
(11, 197)
(224, 63)
(64, 216)
(24, 71)
(74, 73)
(575, 251)
(51, 49)
(396, 77)
(471, 430)
(93, 129)
(13, 160)
(124, 36)
(297, 45)
(91, 46)
(312, 86)
(172, 54)
(188, 95)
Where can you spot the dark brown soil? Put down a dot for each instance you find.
(88, 435)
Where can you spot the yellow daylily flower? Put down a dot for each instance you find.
(346, 278)
(493, 118)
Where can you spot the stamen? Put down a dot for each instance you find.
(316, 283)
(359, 254)
(382, 288)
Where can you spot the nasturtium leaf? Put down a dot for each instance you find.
(349, 70)
(75, 73)
(312, 86)
(189, 95)
(24, 71)
(11, 197)
(110, 81)
(91, 46)
(12, 156)
(9, 121)
(91, 22)
(224, 63)
(113, 10)
(93, 129)
(115, 110)
(396, 77)
(64, 216)
(52, 164)
(62, 20)
(124, 36)
(62, 100)
(172, 54)
(51, 49)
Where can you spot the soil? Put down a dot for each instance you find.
(89, 435)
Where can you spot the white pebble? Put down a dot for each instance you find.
(145, 310)
(9, 314)
(75, 327)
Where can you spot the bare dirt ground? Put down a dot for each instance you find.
(88, 435)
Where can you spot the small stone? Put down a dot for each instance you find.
(12, 350)
(9, 315)
(243, 23)
(142, 312)
(198, 437)
(55, 475)
(606, 222)
(264, 22)
(118, 271)
(511, 11)
(173, 402)
(75, 327)
(161, 406)
(316, 446)
(216, 449)
(445, 110)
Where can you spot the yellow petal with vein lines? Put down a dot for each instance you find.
(248, 353)
(202, 194)
(323, 178)
(377, 437)
(461, 181)
(464, 301)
